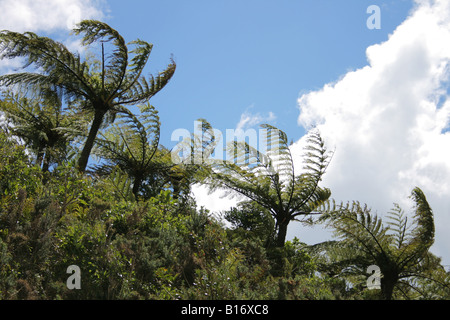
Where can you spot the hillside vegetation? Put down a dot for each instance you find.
(85, 182)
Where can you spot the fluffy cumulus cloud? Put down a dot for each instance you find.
(46, 15)
(51, 16)
(389, 121)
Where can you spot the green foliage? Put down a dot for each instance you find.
(103, 93)
(130, 224)
(16, 169)
(252, 217)
(132, 146)
(401, 254)
(40, 124)
(270, 180)
(163, 247)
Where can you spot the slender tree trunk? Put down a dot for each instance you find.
(46, 163)
(282, 232)
(40, 155)
(86, 152)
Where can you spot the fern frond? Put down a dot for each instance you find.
(117, 63)
(422, 237)
(122, 184)
(423, 217)
(357, 226)
(398, 223)
(141, 90)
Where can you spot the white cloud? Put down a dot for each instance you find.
(46, 15)
(388, 123)
(249, 119)
(216, 202)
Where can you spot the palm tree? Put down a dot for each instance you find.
(270, 180)
(103, 91)
(401, 254)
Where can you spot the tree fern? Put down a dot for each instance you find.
(104, 91)
(39, 122)
(196, 148)
(132, 145)
(269, 178)
(400, 250)
(121, 184)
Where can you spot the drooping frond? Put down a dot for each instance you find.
(59, 66)
(133, 141)
(122, 184)
(357, 226)
(334, 257)
(132, 144)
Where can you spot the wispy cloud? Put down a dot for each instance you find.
(388, 120)
(249, 119)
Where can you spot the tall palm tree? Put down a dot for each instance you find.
(270, 179)
(400, 250)
(103, 91)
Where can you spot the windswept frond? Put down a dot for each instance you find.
(358, 226)
(423, 218)
(115, 65)
(141, 90)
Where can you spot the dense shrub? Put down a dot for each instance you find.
(163, 247)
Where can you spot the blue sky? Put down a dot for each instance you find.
(380, 98)
(253, 56)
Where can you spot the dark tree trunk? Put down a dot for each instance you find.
(46, 164)
(276, 251)
(86, 152)
(40, 155)
(388, 282)
(282, 232)
(136, 186)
